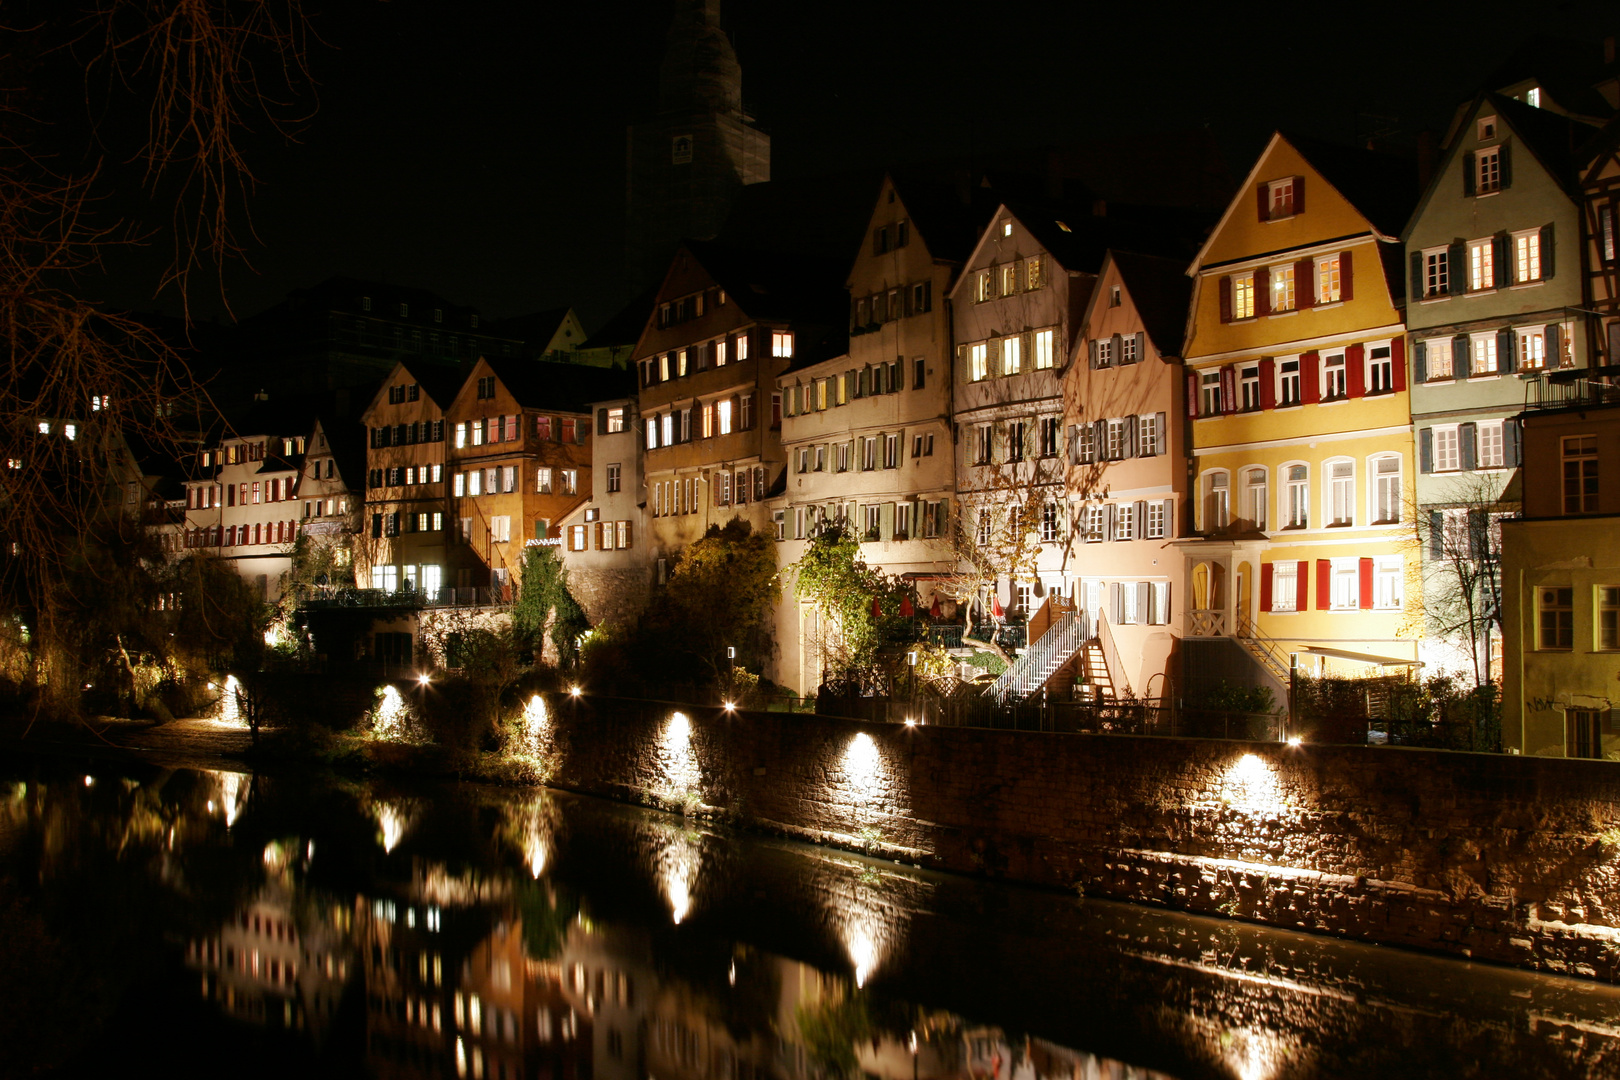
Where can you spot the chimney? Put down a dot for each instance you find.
(1426, 154)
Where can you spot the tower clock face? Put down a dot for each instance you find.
(681, 150)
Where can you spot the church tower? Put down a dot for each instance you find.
(686, 163)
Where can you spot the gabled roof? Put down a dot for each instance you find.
(627, 324)
(821, 216)
(1381, 188)
(947, 223)
(1161, 292)
(346, 441)
(1559, 145)
(539, 384)
(776, 285)
(536, 328)
(1567, 70)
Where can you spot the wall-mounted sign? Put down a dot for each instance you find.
(550, 541)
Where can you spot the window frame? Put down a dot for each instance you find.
(1256, 495)
(1339, 493)
(1294, 495)
(1328, 278)
(1587, 479)
(1479, 263)
(1377, 480)
(1215, 499)
(1451, 433)
(1557, 601)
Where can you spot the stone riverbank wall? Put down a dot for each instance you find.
(1514, 860)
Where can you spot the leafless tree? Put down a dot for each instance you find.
(1459, 540)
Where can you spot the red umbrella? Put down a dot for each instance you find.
(877, 609)
(996, 609)
(934, 612)
(906, 610)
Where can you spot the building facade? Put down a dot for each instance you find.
(1296, 389)
(405, 542)
(605, 537)
(242, 506)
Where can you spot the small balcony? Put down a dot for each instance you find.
(1574, 388)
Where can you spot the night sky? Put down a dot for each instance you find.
(478, 149)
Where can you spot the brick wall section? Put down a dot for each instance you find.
(1493, 857)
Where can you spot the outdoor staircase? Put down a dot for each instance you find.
(1270, 655)
(1041, 660)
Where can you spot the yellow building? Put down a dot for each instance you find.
(1300, 425)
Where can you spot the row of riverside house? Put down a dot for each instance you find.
(1278, 453)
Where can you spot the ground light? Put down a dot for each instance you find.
(911, 721)
(730, 706)
(574, 691)
(1295, 740)
(423, 679)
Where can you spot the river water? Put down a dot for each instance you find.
(212, 923)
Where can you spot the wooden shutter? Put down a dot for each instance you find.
(1108, 522)
(1347, 276)
(1117, 354)
(1192, 394)
(1263, 200)
(1144, 602)
(1302, 586)
(1226, 305)
(1554, 344)
(1467, 442)
(1265, 586)
(1456, 270)
(601, 422)
(1310, 378)
(1546, 251)
(1091, 349)
(1299, 194)
(1366, 570)
(1468, 172)
(1504, 164)
(1437, 534)
(1131, 449)
(1461, 361)
(1262, 291)
(1324, 583)
(1511, 452)
(1355, 370)
(1506, 344)
(1268, 383)
(1229, 388)
(1169, 519)
(1158, 433)
(1139, 529)
(1397, 357)
(1502, 259)
(1416, 292)
(1099, 440)
(1305, 283)
(1426, 450)
(1141, 346)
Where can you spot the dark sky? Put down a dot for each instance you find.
(477, 149)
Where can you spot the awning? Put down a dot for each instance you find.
(1365, 658)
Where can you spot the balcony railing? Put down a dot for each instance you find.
(411, 599)
(1573, 388)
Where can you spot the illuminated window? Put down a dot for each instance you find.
(1217, 504)
(1341, 492)
(1034, 272)
(1344, 585)
(1284, 586)
(1483, 354)
(1580, 474)
(1282, 288)
(1481, 256)
(1243, 296)
(978, 361)
(1527, 256)
(984, 287)
(1209, 396)
(1333, 381)
(1555, 619)
(1044, 353)
(1254, 496)
(1012, 355)
(542, 480)
(1249, 387)
(1327, 280)
(1490, 453)
(1387, 580)
(1532, 349)
(781, 344)
(982, 445)
(1288, 382)
(1009, 279)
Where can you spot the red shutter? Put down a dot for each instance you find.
(1366, 584)
(1397, 353)
(1192, 393)
(1226, 298)
(1268, 383)
(1305, 283)
(1299, 194)
(1263, 201)
(1355, 371)
(1262, 291)
(1324, 583)
(1229, 389)
(1310, 378)
(1347, 276)
(1265, 586)
(1302, 586)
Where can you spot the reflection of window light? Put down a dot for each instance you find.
(44, 427)
(70, 430)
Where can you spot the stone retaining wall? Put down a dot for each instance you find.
(1509, 859)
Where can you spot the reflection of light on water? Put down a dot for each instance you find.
(678, 885)
(1254, 1055)
(863, 952)
(679, 862)
(1251, 783)
(392, 821)
(233, 793)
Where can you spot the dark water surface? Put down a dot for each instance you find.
(221, 924)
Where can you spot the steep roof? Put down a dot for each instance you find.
(1162, 293)
(775, 284)
(948, 223)
(1561, 145)
(442, 384)
(347, 442)
(535, 328)
(540, 384)
(1566, 69)
(626, 325)
(822, 216)
(1383, 188)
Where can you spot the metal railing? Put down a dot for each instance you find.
(1271, 655)
(1568, 390)
(467, 597)
(1116, 669)
(1055, 648)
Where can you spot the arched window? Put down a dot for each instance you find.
(1217, 500)
(1296, 496)
(1254, 496)
(1385, 496)
(1340, 497)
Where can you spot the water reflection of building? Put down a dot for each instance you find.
(277, 964)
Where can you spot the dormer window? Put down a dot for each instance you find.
(1487, 128)
(1282, 198)
(1006, 228)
